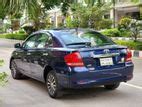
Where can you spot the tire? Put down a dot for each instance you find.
(14, 71)
(112, 86)
(53, 87)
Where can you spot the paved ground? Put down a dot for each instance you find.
(31, 93)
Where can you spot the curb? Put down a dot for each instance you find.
(136, 53)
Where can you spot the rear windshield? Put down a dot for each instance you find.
(91, 38)
(97, 39)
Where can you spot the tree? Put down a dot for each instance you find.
(3, 9)
(3, 13)
(89, 16)
(90, 2)
(135, 27)
(131, 25)
(124, 23)
(63, 4)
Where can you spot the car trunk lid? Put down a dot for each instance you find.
(104, 57)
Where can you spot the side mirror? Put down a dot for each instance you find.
(17, 45)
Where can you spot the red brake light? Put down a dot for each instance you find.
(74, 59)
(128, 56)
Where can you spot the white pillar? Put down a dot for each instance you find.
(56, 19)
(114, 17)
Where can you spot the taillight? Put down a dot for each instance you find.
(128, 56)
(74, 59)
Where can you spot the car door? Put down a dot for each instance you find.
(27, 48)
(40, 57)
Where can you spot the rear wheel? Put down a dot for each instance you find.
(15, 73)
(112, 86)
(54, 89)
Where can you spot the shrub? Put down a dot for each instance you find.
(112, 32)
(2, 36)
(125, 22)
(130, 44)
(21, 31)
(125, 33)
(105, 24)
(130, 25)
(16, 36)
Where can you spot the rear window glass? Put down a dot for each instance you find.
(97, 39)
(88, 38)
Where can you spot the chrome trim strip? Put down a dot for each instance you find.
(104, 55)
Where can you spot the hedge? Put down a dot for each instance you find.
(112, 32)
(17, 36)
(130, 44)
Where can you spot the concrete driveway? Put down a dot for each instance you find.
(31, 93)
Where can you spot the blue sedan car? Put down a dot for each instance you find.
(66, 59)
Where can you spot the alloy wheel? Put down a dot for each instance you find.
(51, 84)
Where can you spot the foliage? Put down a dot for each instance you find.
(1, 30)
(3, 9)
(125, 33)
(123, 26)
(1, 62)
(72, 23)
(17, 36)
(64, 5)
(21, 31)
(124, 23)
(3, 79)
(3, 75)
(130, 44)
(90, 16)
(105, 24)
(135, 28)
(90, 2)
(131, 26)
(112, 32)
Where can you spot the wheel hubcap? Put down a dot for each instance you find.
(51, 84)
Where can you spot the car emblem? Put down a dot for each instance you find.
(106, 51)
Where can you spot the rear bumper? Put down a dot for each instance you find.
(86, 79)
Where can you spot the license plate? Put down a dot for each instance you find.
(106, 61)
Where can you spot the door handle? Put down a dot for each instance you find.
(28, 53)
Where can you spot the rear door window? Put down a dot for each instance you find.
(44, 41)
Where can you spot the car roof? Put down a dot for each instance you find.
(53, 32)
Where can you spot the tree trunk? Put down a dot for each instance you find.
(15, 24)
(36, 25)
(1, 26)
(140, 7)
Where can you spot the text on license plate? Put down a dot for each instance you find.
(106, 61)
